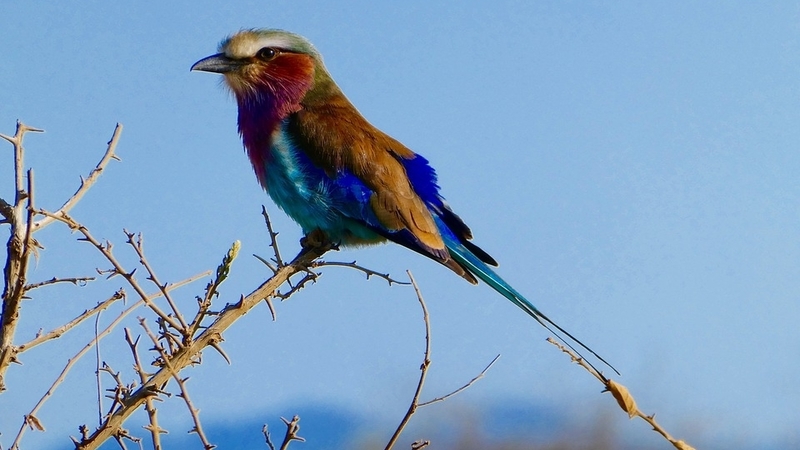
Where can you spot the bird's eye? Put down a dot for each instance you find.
(267, 54)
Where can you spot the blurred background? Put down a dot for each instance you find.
(633, 166)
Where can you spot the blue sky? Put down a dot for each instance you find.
(633, 166)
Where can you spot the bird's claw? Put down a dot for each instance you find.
(314, 239)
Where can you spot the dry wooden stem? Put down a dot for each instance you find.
(74, 280)
(18, 250)
(624, 398)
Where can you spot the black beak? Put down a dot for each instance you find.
(218, 63)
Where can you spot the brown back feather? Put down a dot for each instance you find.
(334, 134)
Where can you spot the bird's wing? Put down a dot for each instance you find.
(336, 137)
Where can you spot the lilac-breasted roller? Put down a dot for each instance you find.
(332, 171)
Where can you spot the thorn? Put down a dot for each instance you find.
(221, 352)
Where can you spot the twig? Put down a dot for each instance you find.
(294, 287)
(462, 388)
(138, 247)
(54, 280)
(86, 183)
(58, 332)
(26, 243)
(212, 290)
(624, 399)
(265, 432)
(19, 155)
(368, 272)
(423, 368)
(86, 348)
(273, 237)
(120, 389)
(195, 413)
(212, 334)
(292, 428)
(152, 413)
(98, 378)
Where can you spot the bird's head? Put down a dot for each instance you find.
(266, 65)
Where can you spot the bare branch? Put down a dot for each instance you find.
(74, 280)
(423, 368)
(368, 272)
(623, 397)
(86, 183)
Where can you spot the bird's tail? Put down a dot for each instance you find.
(481, 270)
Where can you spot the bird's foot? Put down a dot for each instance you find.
(314, 239)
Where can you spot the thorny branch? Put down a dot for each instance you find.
(106, 250)
(58, 332)
(71, 362)
(210, 336)
(292, 428)
(195, 413)
(77, 281)
(137, 242)
(624, 398)
(152, 413)
(86, 183)
(273, 237)
(367, 271)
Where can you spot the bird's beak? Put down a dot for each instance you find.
(218, 63)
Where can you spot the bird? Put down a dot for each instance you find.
(334, 173)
